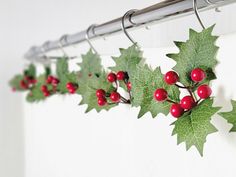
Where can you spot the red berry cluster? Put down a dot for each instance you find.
(27, 82)
(114, 96)
(53, 81)
(120, 76)
(71, 87)
(189, 101)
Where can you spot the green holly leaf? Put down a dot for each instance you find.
(144, 83)
(90, 65)
(35, 94)
(62, 67)
(30, 71)
(64, 75)
(88, 87)
(193, 127)
(15, 82)
(230, 116)
(197, 52)
(92, 77)
(127, 61)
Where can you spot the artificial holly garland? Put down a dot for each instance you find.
(147, 88)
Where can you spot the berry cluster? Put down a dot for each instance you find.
(71, 87)
(27, 83)
(114, 96)
(50, 86)
(189, 101)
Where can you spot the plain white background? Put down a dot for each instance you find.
(56, 139)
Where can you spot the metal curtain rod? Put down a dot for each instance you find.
(159, 12)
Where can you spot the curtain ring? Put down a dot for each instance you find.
(129, 15)
(197, 14)
(91, 27)
(64, 37)
(46, 59)
(43, 49)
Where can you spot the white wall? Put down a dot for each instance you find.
(56, 139)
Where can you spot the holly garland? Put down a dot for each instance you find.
(147, 88)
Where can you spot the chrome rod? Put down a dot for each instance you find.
(163, 11)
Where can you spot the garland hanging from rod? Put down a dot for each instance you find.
(147, 88)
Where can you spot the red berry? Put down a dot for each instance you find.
(198, 75)
(204, 91)
(120, 75)
(100, 93)
(111, 77)
(176, 110)
(115, 97)
(23, 84)
(49, 79)
(128, 86)
(33, 81)
(13, 89)
(187, 102)
(55, 81)
(44, 88)
(171, 77)
(72, 90)
(69, 85)
(46, 94)
(102, 101)
(160, 94)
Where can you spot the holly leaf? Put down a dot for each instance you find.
(36, 94)
(144, 83)
(90, 65)
(230, 116)
(64, 75)
(127, 61)
(31, 71)
(62, 67)
(193, 127)
(15, 82)
(88, 87)
(92, 77)
(197, 52)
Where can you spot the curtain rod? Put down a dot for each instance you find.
(163, 11)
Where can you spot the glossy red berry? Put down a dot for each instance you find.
(187, 102)
(204, 91)
(100, 93)
(44, 88)
(115, 96)
(33, 81)
(120, 75)
(69, 85)
(198, 75)
(72, 90)
(46, 94)
(102, 101)
(160, 94)
(171, 77)
(176, 110)
(49, 79)
(55, 81)
(128, 85)
(23, 84)
(111, 77)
